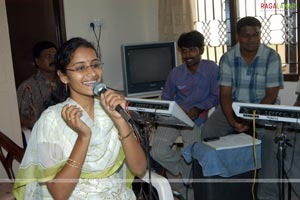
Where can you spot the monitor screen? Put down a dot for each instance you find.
(146, 67)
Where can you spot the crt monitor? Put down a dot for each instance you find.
(146, 67)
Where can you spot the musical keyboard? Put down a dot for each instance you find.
(280, 113)
(163, 111)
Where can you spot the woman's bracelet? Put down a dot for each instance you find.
(71, 165)
(73, 161)
(126, 136)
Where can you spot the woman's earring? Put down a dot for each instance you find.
(66, 85)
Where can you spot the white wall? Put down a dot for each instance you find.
(288, 95)
(124, 21)
(9, 114)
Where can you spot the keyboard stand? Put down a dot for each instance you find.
(147, 122)
(282, 144)
(148, 113)
(279, 113)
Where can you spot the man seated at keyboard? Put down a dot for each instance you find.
(250, 72)
(193, 86)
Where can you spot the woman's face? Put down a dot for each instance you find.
(82, 72)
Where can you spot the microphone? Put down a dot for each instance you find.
(100, 88)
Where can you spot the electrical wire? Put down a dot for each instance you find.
(255, 157)
(144, 141)
(136, 132)
(98, 47)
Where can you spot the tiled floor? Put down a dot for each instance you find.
(5, 191)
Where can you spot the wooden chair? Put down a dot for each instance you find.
(12, 152)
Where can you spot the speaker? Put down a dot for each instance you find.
(220, 188)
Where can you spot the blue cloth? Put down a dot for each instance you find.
(225, 163)
(188, 90)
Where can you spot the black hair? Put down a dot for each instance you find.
(191, 39)
(39, 47)
(247, 21)
(65, 52)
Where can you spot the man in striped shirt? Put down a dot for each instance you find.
(250, 72)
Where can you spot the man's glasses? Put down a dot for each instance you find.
(83, 68)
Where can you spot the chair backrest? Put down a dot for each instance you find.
(161, 184)
(14, 152)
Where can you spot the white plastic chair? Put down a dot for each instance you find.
(161, 184)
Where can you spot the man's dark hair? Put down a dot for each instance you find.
(247, 21)
(191, 39)
(39, 47)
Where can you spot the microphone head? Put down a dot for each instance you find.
(99, 88)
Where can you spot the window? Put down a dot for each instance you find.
(216, 20)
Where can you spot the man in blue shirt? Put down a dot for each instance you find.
(193, 86)
(250, 72)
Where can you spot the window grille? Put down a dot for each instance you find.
(216, 20)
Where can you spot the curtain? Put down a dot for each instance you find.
(175, 17)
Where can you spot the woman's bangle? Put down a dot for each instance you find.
(71, 165)
(73, 161)
(126, 136)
